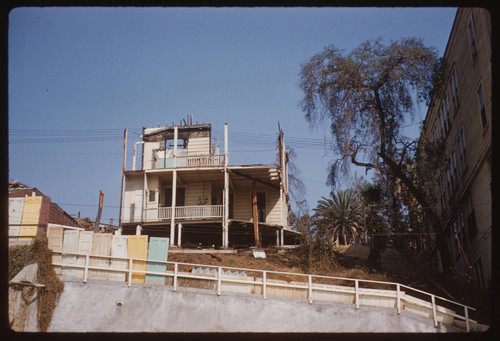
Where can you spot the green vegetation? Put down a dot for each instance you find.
(38, 252)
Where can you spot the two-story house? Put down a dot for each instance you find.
(187, 191)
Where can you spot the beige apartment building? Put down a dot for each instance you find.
(462, 116)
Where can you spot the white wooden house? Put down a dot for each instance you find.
(186, 190)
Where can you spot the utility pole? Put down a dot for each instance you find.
(123, 178)
(99, 211)
(255, 217)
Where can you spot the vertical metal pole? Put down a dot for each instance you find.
(434, 315)
(130, 272)
(175, 276)
(86, 271)
(310, 290)
(264, 278)
(123, 177)
(398, 299)
(219, 275)
(356, 293)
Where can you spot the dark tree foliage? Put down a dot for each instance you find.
(367, 97)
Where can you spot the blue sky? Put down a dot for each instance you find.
(79, 76)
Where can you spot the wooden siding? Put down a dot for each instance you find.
(195, 191)
(198, 145)
(273, 207)
(70, 245)
(148, 154)
(84, 247)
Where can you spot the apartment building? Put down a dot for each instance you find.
(186, 190)
(461, 116)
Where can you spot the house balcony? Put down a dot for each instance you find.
(190, 161)
(201, 212)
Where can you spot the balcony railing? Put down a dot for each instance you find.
(210, 160)
(183, 212)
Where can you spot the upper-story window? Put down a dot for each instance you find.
(444, 117)
(453, 169)
(454, 90)
(472, 37)
(480, 96)
(462, 150)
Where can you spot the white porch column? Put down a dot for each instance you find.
(138, 230)
(225, 227)
(174, 189)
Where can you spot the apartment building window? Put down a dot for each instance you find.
(472, 36)
(444, 117)
(482, 106)
(471, 218)
(478, 273)
(454, 90)
(442, 187)
(462, 149)
(453, 168)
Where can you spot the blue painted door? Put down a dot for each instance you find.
(158, 250)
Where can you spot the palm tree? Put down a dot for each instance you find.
(339, 215)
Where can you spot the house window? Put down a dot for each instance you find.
(152, 195)
(180, 197)
(181, 143)
(472, 36)
(482, 106)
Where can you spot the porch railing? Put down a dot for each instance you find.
(183, 212)
(209, 160)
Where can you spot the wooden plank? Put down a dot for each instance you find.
(84, 247)
(158, 250)
(138, 249)
(70, 245)
(15, 214)
(119, 246)
(55, 242)
(30, 217)
(101, 245)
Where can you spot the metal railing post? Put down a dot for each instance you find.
(398, 299)
(434, 315)
(219, 275)
(264, 276)
(86, 271)
(310, 289)
(130, 271)
(467, 323)
(175, 276)
(356, 293)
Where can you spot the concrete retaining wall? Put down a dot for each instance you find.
(156, 308)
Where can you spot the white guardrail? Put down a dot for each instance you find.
(403, 299)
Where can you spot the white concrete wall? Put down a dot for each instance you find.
(133, 195)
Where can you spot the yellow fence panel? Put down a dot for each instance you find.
(138, 248)
(30, 217)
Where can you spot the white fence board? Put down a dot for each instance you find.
(101, 246)
(70, 245)
(118, 249)
(84, 247)
(15, 213)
